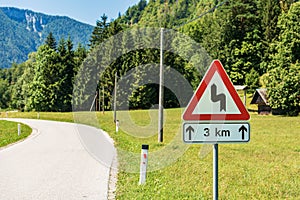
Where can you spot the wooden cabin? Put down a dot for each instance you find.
(260, 98)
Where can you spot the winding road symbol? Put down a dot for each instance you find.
(215, 88)
(220, 97)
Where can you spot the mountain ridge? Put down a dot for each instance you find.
(23, 31)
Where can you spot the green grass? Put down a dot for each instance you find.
(267, 167)
(9, 132)
(55, 116)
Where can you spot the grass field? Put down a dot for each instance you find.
(267, 167)
(9, 132)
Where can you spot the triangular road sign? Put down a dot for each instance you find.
(216, 98)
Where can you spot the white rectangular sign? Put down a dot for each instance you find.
(194, 132)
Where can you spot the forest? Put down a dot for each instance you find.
(257, 41)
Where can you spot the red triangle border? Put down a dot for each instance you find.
(188, 115)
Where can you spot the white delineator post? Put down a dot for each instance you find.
(117, 126)
(144, 163)
(19, 129)
(103, 103)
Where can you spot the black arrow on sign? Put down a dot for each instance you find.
(190, 130)
(243, 129)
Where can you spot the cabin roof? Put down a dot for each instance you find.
(260, 97)
(241, 87)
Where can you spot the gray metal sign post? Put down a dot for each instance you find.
(215, 172)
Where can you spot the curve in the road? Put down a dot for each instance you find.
(55, 164)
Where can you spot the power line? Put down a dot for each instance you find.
(206, 12)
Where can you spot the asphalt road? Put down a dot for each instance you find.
(57, 162)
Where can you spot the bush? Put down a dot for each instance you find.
(283, 89)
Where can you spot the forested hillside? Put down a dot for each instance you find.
(23, 31)
(257, 41)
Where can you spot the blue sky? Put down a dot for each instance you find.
(87, 11)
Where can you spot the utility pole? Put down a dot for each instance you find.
(115, 99)
(103, 103)
(161, 89)
(99, 99)
(161, 72)
(94, 102)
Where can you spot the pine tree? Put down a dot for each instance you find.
(69, 70)
(270, 11)
(4, 93)
(62, 48)
(79, 55)
(50, 41)
(99, 33)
